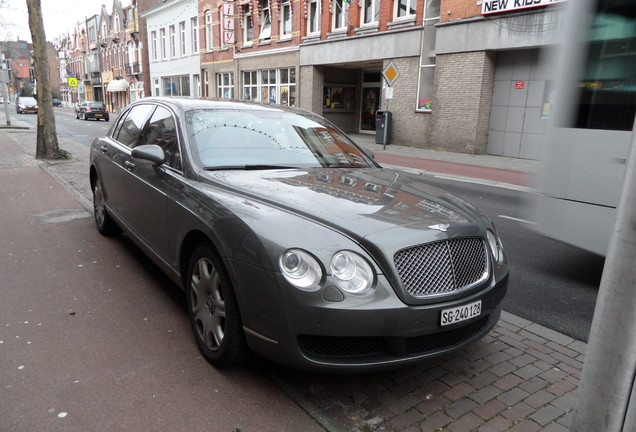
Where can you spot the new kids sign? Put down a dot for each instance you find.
(497, 6)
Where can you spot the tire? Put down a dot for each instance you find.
(84, 117)
(104, 223)
(213, 310)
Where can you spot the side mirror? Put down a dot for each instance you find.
(150, 153)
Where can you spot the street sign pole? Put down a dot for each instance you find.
(390, 74)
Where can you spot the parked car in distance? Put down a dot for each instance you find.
(26, 104)
(1, 99)
(57, 102)
(291, 242)
(91, 109)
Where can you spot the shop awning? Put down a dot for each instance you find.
(119, 85)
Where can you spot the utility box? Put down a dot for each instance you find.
(383, 127)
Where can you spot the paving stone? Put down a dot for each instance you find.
(528, 371)
(535, 341)
(404, 403)
(567, 401)
(540, 399)
(459, 391)
(466, 423)
(555, 427)
(547, 414)
(485, 394)
(477, 367)
(432, 404)
(553, 375)
(549, 334)
(578, 346)
(560, 388)
(508, 319)
(490, 409)
(507, 382)
(496, 424)
(483, 379)
(533, 384)
(525, 426)
(460, 407)
(518, 411)
(513, 396)
(404, 388)
(435, 421)
(523, 360)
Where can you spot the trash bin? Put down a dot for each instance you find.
(383, 127)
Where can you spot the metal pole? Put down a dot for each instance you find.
(386, 124)
(607, 383)
(5, 95)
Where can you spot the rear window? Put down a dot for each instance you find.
(96, 104)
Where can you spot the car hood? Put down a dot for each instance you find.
(358, 202)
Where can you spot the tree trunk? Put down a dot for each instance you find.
(46, 143)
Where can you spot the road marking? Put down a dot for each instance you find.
(517, 219)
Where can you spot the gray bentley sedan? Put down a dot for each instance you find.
(291, 242)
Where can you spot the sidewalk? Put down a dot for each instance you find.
(522, 377)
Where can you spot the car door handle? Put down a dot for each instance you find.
(104, 149)
(129, 165)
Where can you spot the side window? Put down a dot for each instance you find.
(132, 124)
(162, 131)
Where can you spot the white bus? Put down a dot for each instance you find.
(592, 103)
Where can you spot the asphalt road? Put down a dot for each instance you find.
(552, 284)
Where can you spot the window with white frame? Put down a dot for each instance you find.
(250, 86)
(176, 85)
(266, 21)
(196, 85)
(370, 11)
(313, 17)
(285, 19)
(248, 25)
(182, 37)
(221, 39)
(225, 85)
(339, 15)
(173, 41)
(104, 30)
(155, 48)
(117, 29)
(404, 8)
(425, 86)
(195, 35)
(209, 36)
(276, 86)
(164, 51)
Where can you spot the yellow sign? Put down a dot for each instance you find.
(390, 73)
(72, 82)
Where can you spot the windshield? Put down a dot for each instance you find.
(28, 101)
(268, 139)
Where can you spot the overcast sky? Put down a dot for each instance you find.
(59, 17)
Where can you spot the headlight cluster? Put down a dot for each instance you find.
(351, 272)
(495, 246)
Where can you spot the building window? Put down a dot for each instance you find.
(225, 85)
(162, 33)
(250, 86)
(117, 29)
(155, 51)
(404, 8)
(195, 35)
(196, 85)
(286, 20)
(248, 25)
(182, 35)
(157, 89)
(370, 11)
(173, 42)
(276, 86)
(313, 17)
(176, 85)
(427, 69)
(266, 21)
(339, 15)
(209, 41)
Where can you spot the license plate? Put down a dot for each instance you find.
(461, 313)
(99, 115)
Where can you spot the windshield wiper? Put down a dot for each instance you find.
(255, 167)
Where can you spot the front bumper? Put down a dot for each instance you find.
(306, 331)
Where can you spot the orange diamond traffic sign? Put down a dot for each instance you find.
(390, 73)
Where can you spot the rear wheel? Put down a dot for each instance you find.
(105, 225)
(213, 310)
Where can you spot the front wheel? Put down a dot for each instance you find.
(213, 310)
(105, 224)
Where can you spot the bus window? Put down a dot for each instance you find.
(607, 92)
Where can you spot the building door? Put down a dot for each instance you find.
(371, 86)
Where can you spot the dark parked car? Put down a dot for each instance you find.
(57, 102)
(91, 109)
(290, 241)
(26, 104)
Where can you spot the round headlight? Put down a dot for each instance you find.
(495, 246)
(352, 272)
(300, 269)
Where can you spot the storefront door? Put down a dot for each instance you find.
(370, 102)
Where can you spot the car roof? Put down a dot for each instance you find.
(187, 104)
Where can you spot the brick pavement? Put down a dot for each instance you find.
(521, 377)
